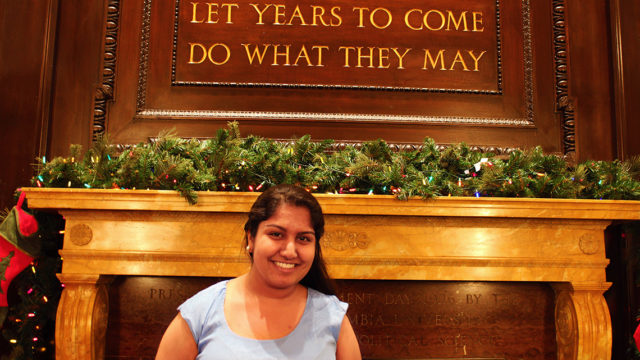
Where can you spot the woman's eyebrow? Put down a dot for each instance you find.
(284, 229)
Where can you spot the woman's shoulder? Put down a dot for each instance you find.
(206, 297)
(199, 311)
(321, 301)
(213, 290)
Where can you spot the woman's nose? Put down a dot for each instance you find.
(289, 249)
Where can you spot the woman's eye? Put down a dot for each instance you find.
(305, 239)
(275, 234)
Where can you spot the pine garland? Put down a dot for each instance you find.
(229, 162)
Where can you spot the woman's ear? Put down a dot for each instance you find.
(250, 243)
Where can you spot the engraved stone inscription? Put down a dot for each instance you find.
(392, 319)
(446, 320)
(141, 308)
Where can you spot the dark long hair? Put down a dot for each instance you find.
(267, 204)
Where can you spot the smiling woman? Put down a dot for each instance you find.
(283, 308)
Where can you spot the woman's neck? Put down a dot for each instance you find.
(256, 287)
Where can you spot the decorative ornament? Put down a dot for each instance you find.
(18, 246)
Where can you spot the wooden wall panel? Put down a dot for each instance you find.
(625, 32)
(590, 79)
(77, 76)
(27, 30)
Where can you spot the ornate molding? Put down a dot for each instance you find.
(339, 145)
(144, 55)
(81, 234)
(528, 60)
(273, 115)
(344, 240)
(342, 144)
(564, 102)
(105, 91)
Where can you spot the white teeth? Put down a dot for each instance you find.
(284, 265)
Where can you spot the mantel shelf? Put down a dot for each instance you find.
(240, 202)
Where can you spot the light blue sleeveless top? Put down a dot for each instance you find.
(314, 337)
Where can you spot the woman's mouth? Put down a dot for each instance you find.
(284, 265)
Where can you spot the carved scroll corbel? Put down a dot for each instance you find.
(81, 320)
(583, 324)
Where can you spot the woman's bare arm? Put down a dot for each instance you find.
(177, 342)
(347, 347)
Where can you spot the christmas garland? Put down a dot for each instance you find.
(229, 162)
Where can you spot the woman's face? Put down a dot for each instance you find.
(284, 247)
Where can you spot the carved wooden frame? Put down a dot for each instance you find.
(104, 93)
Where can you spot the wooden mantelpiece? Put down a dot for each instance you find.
(138, 232)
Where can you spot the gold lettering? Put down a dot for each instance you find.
(208, 53)
(255, 53)
(318, 13)
(334, 13)
(229, 7)
(193, 17)
(346, 49)
(213, 16)
(228, 51)
(475, 58)
(276, 54)
(477, 20)
(303, 54)
(260, 13)
(297, 14)
(320, 48)
(406, 19)
(383, 57)
(279, 14)
(372, 18)
(400, 57)
(426, 20)
(461, 19)
(372, 15)
(360, 57)
(191, 51)
(360, 15)
(459, 59)
(429, 59)
(213, 11)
